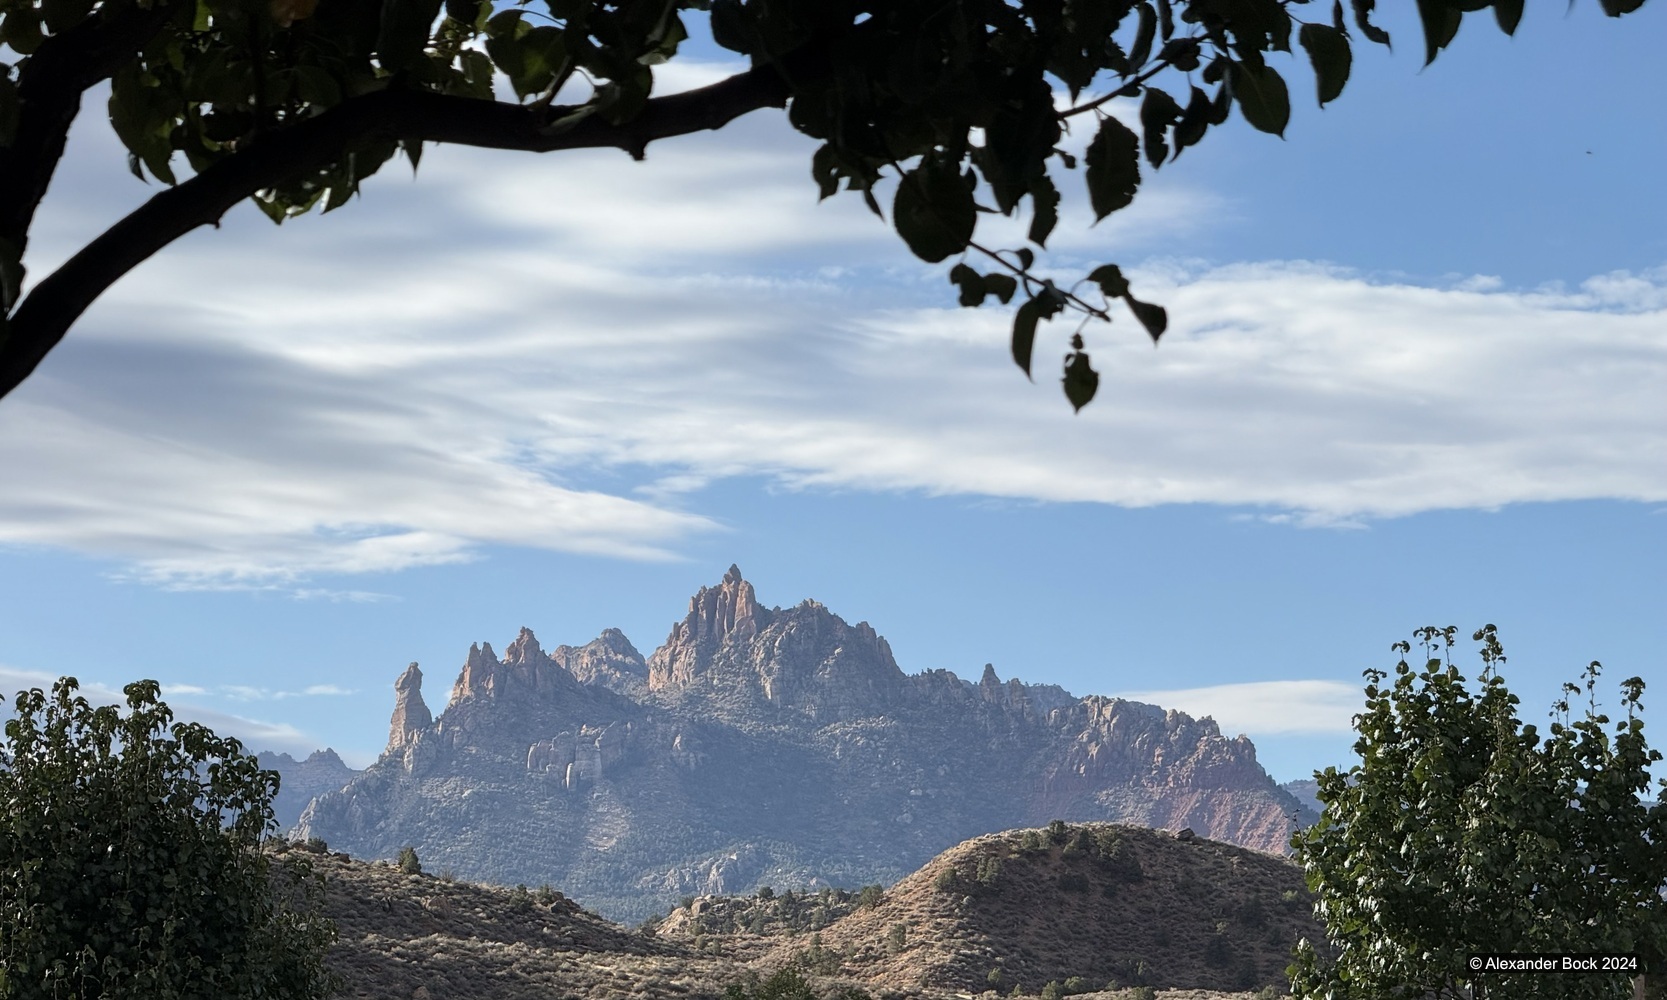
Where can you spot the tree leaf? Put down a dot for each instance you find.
(1157, 112)
(1509, 14)
(1111, 281)
(1363, 21)
(1144, 35)
(1153, 317)
(1044, 198)
(403, 32)
(1262, 97)
(1441, 23)
(1113, 162)
(971, 284)
(1081, 381)
(1024, 334)
(1328, 50)
(1002, 286)
(934, 210)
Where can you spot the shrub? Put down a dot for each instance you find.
(1052, 991)
(766, 892)
(130, 861)
(945, 880)
(994, 978)
(897, 937)
(870, 896)
(408, 862)
(520, 900)
(1058, 831)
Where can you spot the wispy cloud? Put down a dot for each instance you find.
(1266, 708)
(254, 734)
(430, 395)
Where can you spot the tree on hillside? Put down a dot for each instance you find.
(130, 863)
(293, 103)
(1462, 832)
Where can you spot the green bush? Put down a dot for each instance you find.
(870, 896)
(130, 861)
(408, 862)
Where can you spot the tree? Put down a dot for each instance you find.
(130, 862)
(294, 103)
(1462, 832)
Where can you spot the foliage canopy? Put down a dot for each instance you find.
(130, 861)
(1463, 832)
(295, 102)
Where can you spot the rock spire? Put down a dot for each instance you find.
(411, 713)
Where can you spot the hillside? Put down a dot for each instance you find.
(431, 936)
(764, 746)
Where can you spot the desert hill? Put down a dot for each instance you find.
(1146, 910)
(764, 746)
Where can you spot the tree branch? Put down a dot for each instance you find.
(294, 151)
(49, 88)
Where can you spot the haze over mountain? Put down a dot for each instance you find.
(762, 746)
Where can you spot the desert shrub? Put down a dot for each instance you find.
(870, 896)
(546, 895)
(1143, 993)
(994, 978)
(897, 937)
(787, 984)
(316, 845)
(1052, 990)
(817, 959)
(1031, 841)
(766, 892)
(945, 880)
(408, 862)
(1075, 985)
(520, 900)
(1058, 832)
(989, 869)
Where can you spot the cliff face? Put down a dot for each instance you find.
(300, 780)
(764, 746)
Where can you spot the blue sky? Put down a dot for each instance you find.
(1416, 374)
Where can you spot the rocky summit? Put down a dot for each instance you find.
(762, 746)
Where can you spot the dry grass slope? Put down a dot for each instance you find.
(1105, 903)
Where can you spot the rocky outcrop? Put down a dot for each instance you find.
(762, 746)
(300, 781)
(411, 713)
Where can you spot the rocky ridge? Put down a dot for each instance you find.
(765, 746)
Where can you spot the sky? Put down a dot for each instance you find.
(1416, 374)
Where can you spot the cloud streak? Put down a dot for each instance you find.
(1266, 708)
(584, 348)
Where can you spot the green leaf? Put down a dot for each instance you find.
(1157, 113)
(1111, 281)
(1441, 23)
(1024, 334)
(1262, 97)
(1081, 381)
(934, 210)
(1328, 50)
(1113, 168)
(1153, 317)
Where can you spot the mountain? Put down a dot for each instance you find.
(300, 781)
(761, 746)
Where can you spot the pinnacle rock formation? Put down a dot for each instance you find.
(300, 781)
(762, 746)
(411, 714)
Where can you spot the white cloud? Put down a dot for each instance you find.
(455, 363)
(1266, 708)
(254, 734)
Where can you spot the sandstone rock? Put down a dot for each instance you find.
(768, 747)
(299, 781)
(411, 713)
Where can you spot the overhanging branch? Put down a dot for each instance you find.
(51, 307)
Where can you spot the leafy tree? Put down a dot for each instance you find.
(293, 103)
(130, 862)
(1463, 832)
